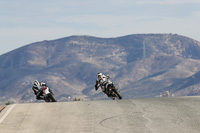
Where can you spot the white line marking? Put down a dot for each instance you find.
(7, 112)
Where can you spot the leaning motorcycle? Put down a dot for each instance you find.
(48, 95)
(113, 92)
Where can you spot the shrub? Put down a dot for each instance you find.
(9, 102)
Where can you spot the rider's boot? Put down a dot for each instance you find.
(108, 93)
(39, 98)
(38, 95)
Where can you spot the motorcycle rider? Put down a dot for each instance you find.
(37, 88)
(103, 82)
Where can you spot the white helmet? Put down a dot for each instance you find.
(36, 83)
(43, 84)
(99, 74)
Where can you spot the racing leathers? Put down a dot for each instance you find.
(103, 82)
(37, 89)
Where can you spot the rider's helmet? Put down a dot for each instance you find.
(36, 83)
(43, 84)
(99, 75)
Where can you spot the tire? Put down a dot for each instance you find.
(51, 96)
(47, 99)
(119, 96)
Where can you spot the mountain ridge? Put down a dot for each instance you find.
(141, 65)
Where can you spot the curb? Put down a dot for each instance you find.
(2, 107)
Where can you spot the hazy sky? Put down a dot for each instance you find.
(26, 21)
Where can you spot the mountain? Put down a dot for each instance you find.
(141, 65)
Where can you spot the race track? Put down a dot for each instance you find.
(157, 115)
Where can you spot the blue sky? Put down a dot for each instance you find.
(23, 22)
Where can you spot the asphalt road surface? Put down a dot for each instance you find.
(158, 115)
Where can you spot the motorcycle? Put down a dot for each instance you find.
(48, 95)
(113, 92)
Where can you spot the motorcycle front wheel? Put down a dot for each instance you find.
(119, 96)
(51, 96)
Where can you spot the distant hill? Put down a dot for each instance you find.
(141, 65)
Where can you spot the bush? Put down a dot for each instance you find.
(9, 102)
(77, 99)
